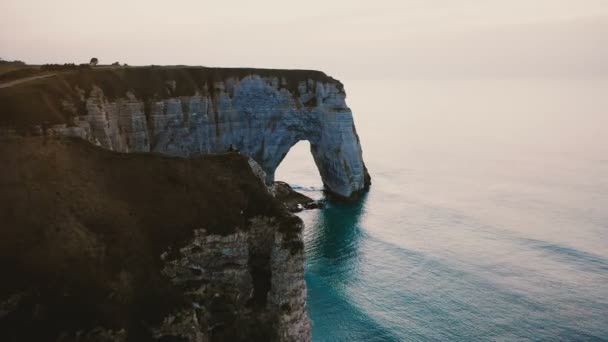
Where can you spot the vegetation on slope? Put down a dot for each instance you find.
(83, 229)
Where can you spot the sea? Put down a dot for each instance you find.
(487, 219)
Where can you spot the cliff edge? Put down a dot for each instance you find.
(189, 111)
(98, 245)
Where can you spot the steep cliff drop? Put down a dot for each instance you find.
(101, 241)
(188, 111)
(104, 246)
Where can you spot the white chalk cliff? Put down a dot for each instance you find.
(262, 116)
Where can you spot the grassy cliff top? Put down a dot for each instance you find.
(38, 96)
(83, 229)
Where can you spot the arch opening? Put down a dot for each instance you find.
(299, 170)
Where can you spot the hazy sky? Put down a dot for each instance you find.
(346, 38)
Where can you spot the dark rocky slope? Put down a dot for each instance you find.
(98, 245)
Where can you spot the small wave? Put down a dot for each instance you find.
(348, 322)
(574, 256)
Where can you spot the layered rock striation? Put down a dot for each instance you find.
(192, 111)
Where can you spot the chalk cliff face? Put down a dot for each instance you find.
(104, 246)
(261, 113)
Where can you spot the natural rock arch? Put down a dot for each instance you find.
(263, 113)
(265, 121)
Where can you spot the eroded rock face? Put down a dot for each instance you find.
(259, 116)
(244, 286)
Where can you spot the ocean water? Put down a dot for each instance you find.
(487, 218)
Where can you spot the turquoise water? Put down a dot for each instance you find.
(487, 218)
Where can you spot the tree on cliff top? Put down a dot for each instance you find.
(94, 61)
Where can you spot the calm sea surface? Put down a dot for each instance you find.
(487, 218)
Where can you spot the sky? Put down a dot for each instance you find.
(353, 39)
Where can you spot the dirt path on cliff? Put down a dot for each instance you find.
(23, 80)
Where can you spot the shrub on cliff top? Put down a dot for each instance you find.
(15, 62)
(66, 66)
